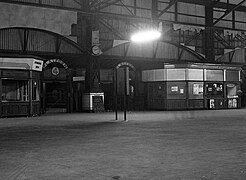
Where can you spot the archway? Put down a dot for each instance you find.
(58, 53)
(55, 78)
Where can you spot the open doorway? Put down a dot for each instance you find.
(55, 97)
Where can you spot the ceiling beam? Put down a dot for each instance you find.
(171, 3)
(221, 5)
(129, 10)
(131, 17)
(228, 11)
(106, 4)
(112, 29)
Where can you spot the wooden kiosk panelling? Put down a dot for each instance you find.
(195, 95)
(194, 86)
(176, 95)
(156, 95)
(156, 88)
(20, 86)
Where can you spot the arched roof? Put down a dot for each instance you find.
(42, 43)
(36, 41)
(151, 53)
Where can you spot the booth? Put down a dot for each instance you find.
(20, 86)
(193, 86)
(93, 102)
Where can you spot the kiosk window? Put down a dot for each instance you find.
(14, 90)
(231, 90)
(214, 89)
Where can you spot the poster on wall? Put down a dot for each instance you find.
(211, 104)
(174, 88)
(197, 89)
(232, 103)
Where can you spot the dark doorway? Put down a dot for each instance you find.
(56, 96)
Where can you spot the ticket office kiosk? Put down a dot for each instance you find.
(193, 86)
(20, 86)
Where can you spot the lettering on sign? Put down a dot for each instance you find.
(125, 64)
(55, 61)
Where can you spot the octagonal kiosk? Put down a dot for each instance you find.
(193, 86)
(20, 86)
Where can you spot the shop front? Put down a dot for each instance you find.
(20, 86)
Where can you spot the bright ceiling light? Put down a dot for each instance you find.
(145, 36)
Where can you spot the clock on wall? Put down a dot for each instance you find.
(96, 51)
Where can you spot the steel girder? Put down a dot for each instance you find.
(96, 7)
(228, 11)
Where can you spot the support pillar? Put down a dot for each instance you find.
(70, 91)
(84, 29)
(209, 34)
(154, 12)
(30, 93)
(1, 85)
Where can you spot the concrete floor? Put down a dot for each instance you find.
(173, 145)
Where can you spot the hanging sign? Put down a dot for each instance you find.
(95, 37)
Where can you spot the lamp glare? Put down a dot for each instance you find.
(145, 36)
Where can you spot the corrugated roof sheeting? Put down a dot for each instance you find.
(40, 41)
(10, 40)
(164, 51)
(191, 13)
(68, 48)
(36, 41)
